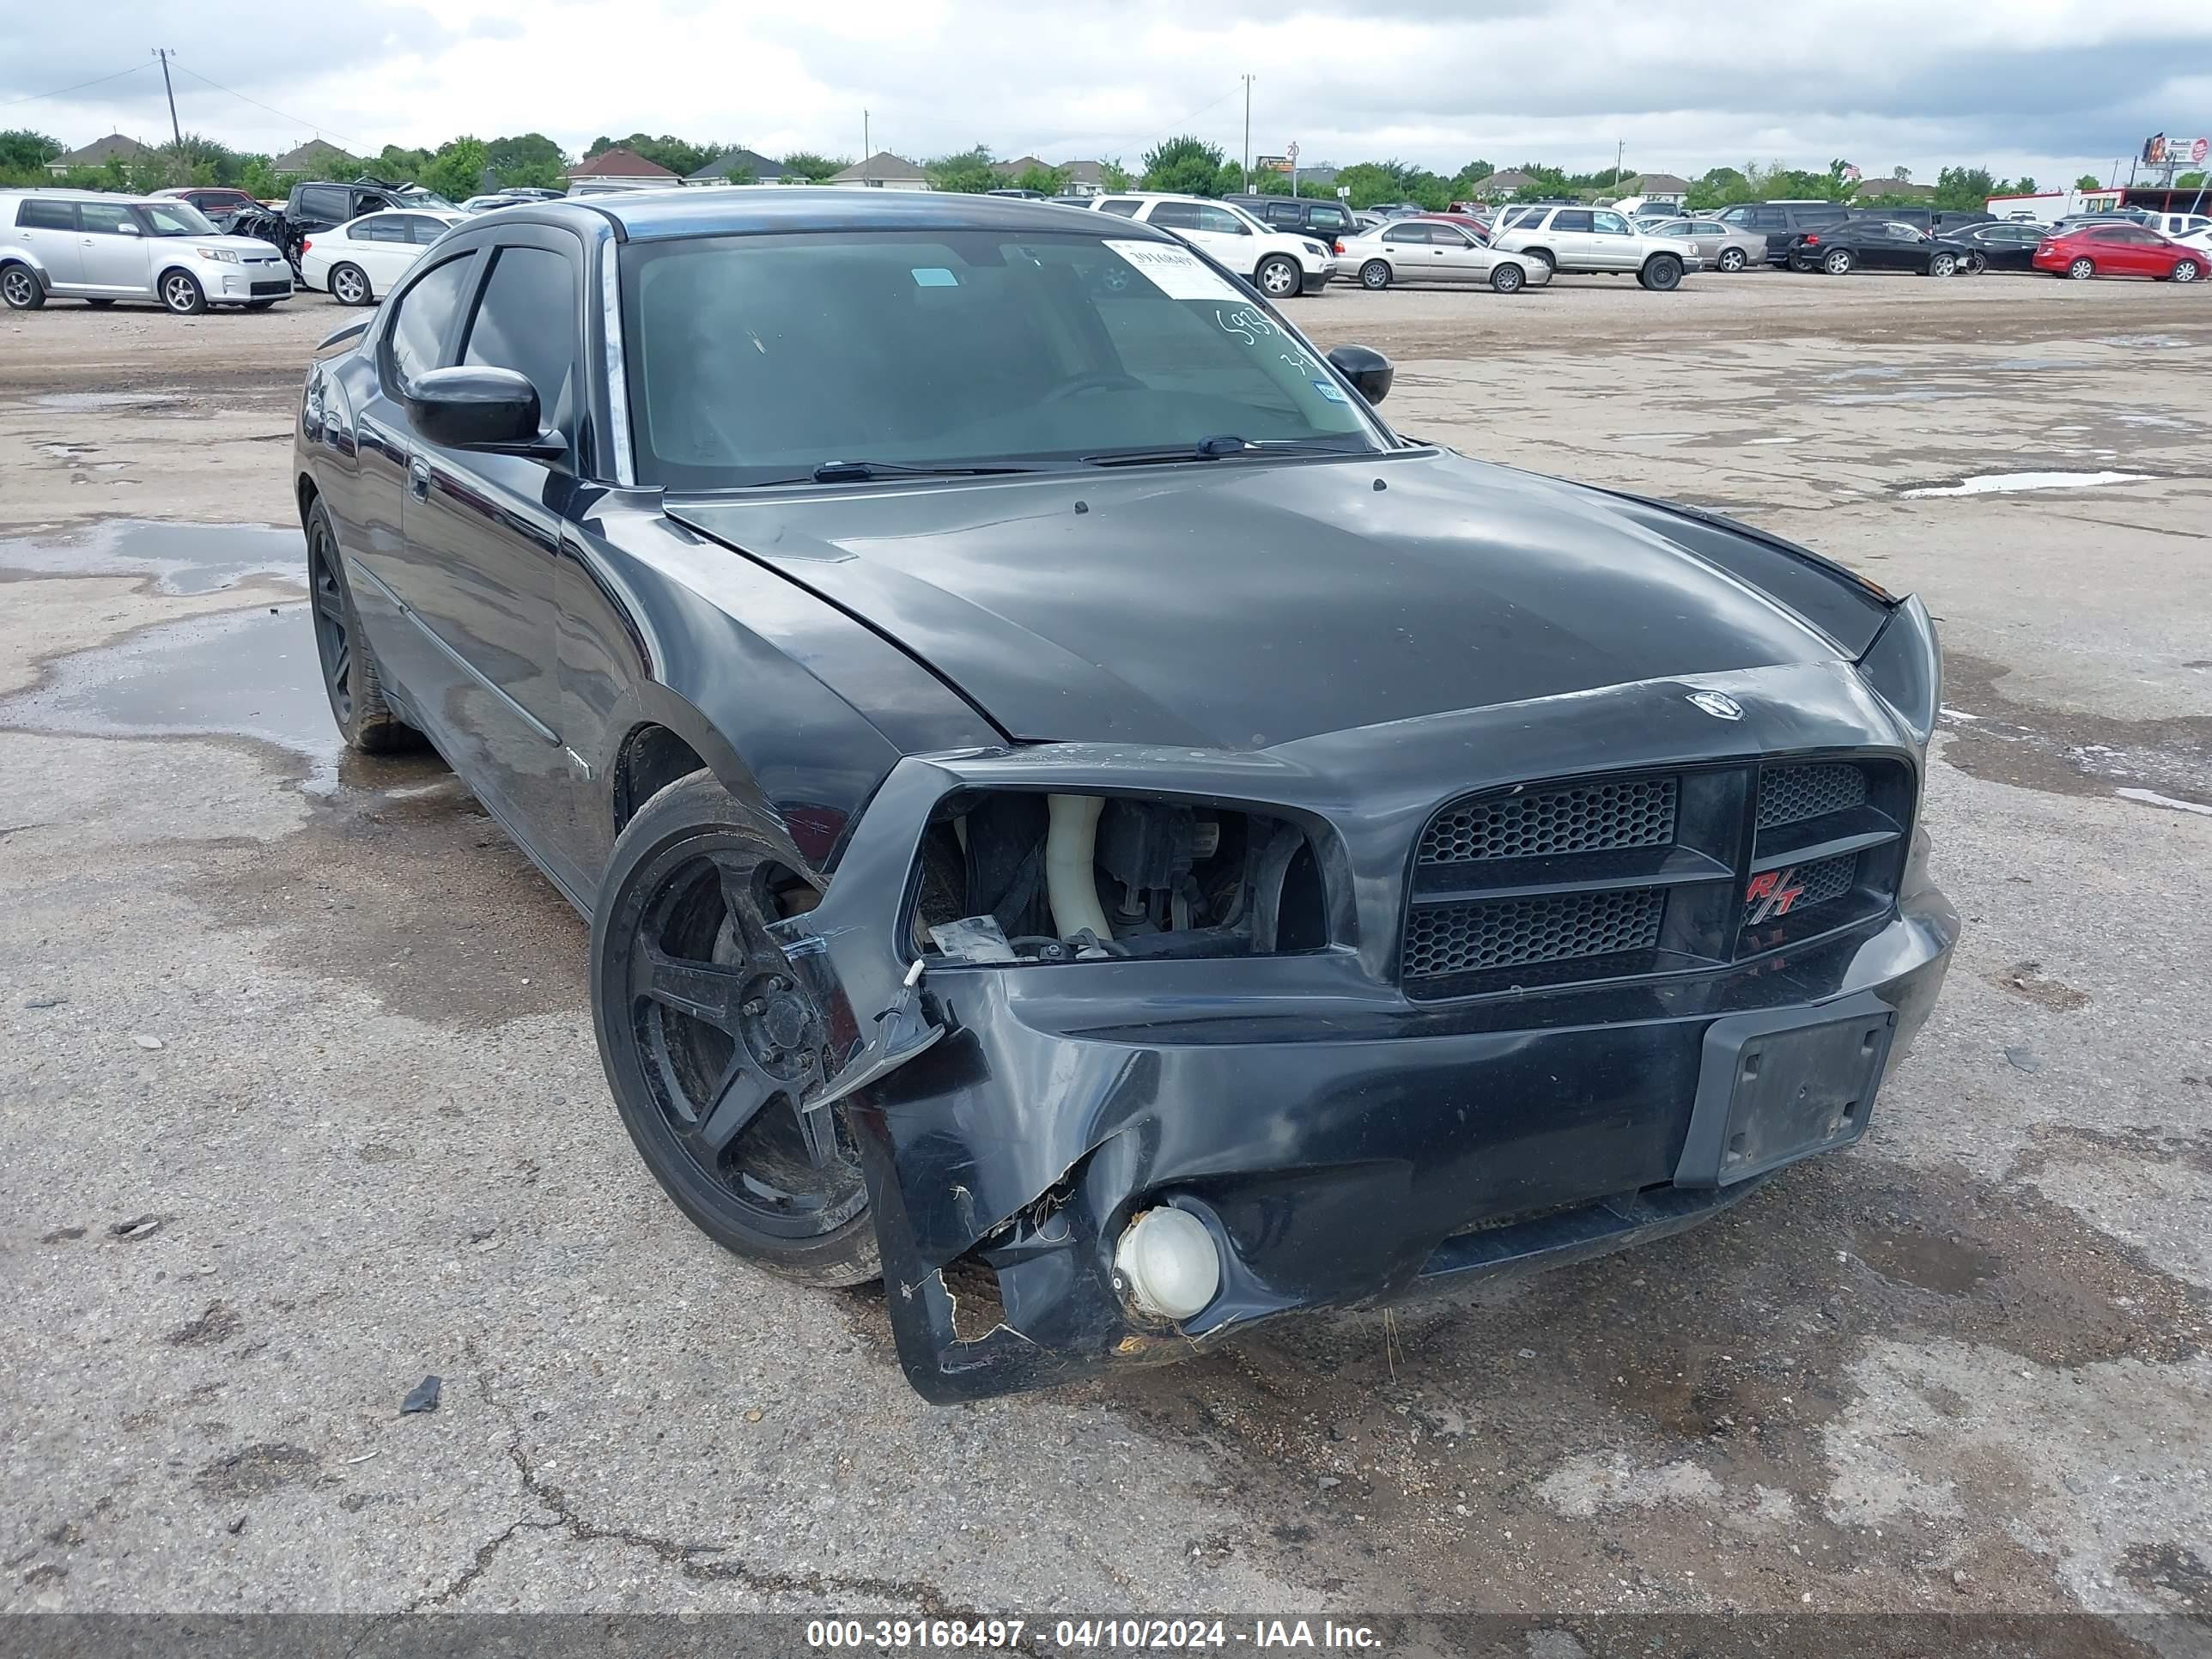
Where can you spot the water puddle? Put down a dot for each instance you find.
(1926, 394)
(247, 674)
(181, 558)
(1755, 443)
(94, 403)
(2032, 364)
(2007, 483)
(2143, 342)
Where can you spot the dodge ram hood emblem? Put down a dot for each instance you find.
(1718, 704)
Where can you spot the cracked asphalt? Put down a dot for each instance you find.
(301, 1102)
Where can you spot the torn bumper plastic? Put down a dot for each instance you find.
(1341, 1144)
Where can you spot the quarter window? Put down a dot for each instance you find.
(527, 321)
(1123, 206)
(35, 214)
(425, 318)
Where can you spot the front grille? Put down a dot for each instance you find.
(1583, 818)
(273, 288)
(1489, 933)
(1573, 881)
(1790, 794)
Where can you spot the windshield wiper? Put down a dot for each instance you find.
(1220, 445)
(861, 471)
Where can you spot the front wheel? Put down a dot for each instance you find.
(1942, 265)
(1277, 277)
(1506, 279)
(1375, 275)
(2187, 271)
(1838, 262)
(710, 1039)
(21, 289)
(350, 285)
(2082, 269)
(182, 293)
(1663, 272)
(1731, 260)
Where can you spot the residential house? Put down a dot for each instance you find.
(1657, 189)
(100, 151)
(1869, 189)
(1012, 170)
(316, 159)
(752, 167)
(1500, 186)
(621, 169)
(883, 171)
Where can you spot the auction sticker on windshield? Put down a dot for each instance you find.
(1176, 271)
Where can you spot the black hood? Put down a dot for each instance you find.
(1241, 604)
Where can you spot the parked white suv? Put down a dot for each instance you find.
(1280, 264)
(99, 247)
(1599, 241)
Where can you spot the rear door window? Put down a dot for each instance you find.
(101, 219)
(35, 214)
(323, 202)
(1573, 219)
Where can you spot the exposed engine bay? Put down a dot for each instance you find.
(1011, 876)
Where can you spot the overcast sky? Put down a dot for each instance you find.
(2052, 88)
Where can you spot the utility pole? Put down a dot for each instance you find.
(1619, 152)
(1248, 135)
(868, 154)
(175, 131)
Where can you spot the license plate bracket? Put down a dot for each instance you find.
(1776, 1087)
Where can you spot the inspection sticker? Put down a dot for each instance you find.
(1176, 271)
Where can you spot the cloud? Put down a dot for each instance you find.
(2049, 87)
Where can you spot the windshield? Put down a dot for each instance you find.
(756, 359)
(175, 219)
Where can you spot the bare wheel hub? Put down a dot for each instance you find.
(776, 1023)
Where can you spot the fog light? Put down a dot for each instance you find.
(1168, 1259)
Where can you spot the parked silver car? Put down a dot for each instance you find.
(100, 247)
(1599, 241)
(1435, 250)
(1723, 247)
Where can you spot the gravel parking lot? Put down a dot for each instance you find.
(301, 1103)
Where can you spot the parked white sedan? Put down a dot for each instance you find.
(360, 260)
(1437, 251)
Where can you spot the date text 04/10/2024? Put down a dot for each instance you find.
(1082, 1635)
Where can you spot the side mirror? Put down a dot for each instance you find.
(1370, 371)
(493, 409)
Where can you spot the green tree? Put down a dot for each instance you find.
(968, 171)
(1047, 181)
(1464, 181)
(2190, 181)
(529, 160)
(22, 150)
(399, 165)
(457, 171)
(1187, 165)
(809, 165)
(1112, 175)
(259, 180)
(1370, 182)
(2089, 181)
(1964, 188)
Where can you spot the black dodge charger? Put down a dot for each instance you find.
(1080, 819)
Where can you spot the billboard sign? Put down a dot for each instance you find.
(1271, 164)
(2160, 151)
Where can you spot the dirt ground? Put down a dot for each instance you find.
(301, 1103)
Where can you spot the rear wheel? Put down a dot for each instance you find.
(365, 720)
(1731, 260)
(1662, 271)
(1977, 263)
(1376, 275)
(182, 293)
(710, 1038)
(1278, 276)
(2082, 269)
(21, 289)
(1507, 278)
(350, 285)
(1837, 261)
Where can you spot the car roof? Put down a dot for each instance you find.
(647, 216)
(67, 193)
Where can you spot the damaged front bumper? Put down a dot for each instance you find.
(1341, 1143)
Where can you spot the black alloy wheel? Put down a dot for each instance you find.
(1977, 263)
(364, 720)
(710, 1039)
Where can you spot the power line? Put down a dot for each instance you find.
(312, 126)
(97, 80)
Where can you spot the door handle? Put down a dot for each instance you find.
(418, 480)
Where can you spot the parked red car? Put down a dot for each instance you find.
(2119, 251)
